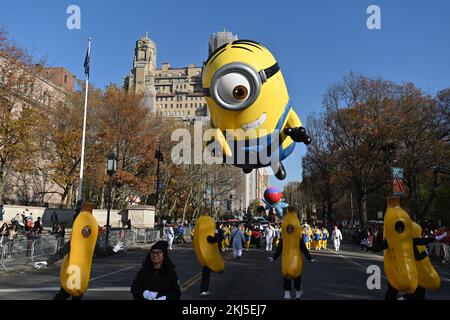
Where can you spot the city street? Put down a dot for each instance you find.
(340, 276)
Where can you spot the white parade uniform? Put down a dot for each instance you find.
(337, 238)
(170, 236)
(270, 232)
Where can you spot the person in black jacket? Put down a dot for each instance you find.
(157, 280)
(206, 272)
(287, 284)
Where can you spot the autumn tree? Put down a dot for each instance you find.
(21, 108)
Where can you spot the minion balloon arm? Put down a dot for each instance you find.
(219, 138)
(295, 129)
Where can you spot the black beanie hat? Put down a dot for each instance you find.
(161, 245)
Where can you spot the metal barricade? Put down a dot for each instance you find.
(23, 251)
(2, 264)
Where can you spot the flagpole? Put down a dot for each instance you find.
(80, 191)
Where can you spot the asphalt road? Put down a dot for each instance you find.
(340, 276)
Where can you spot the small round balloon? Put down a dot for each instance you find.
(273, 195)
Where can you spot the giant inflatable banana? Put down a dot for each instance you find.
(428, 277)
(399, 261)
(76, 268)
(207, 253)
(291, 259)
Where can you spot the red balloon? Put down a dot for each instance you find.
(273, 195)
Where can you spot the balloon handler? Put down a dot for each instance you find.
(292, 261)
(406, 262)
(207, 245)
(78, 254)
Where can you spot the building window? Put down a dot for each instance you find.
(65, 78)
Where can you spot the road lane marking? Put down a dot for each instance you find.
(192, 281)
(53, 289)
(108, 274)
(365, 268)
(356, 263)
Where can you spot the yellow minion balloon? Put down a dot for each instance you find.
(255, 125)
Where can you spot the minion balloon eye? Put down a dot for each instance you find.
(236, 86)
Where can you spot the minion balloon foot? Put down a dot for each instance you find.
(247, 170)
(281, 172)
(298, 135)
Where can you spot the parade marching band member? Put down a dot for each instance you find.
(269, 234)
(306, 235)
(277, 235)
(237, 238)
(317, 238)
(170, 234)
(226, 240)
(324, 238)
(247, 237)
(337, 238)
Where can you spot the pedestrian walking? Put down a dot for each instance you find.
(157, 279)
(237, 240)
(337, 238)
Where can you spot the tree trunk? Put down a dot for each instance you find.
(3, 177)
(187, 202)
(362, 210)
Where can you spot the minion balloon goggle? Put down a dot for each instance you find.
(236, 86)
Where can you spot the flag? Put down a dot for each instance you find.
(87, 61)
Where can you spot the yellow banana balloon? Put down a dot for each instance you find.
(428, 277)
(207, 253)
(399, 262)
(76, 268)
(291, 259)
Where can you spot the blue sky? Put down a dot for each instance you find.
(315, 42)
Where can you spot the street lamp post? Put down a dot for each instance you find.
(111, 168)
(160, 158)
